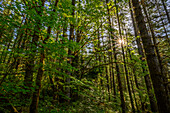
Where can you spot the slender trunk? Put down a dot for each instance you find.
(107, 77)
(110, 54)
(133, 91)
(76, 60)
(112, 79)
(127, 79)
(68, 90)
(119, 81)
(131, 78)
(165, 8)
(163, 24)
(29, 66)
(57, 79)
(118, 72)
(52, 86)
(100, 74)
(125, 67)
(36, 94)
(136, 83)
(113, 76)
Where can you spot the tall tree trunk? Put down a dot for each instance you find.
(133, 91)
(113, 76)
(162, 21)
(110, 53)
(124, 64)
(133, 73)
(29, 66)
(57, 79)
(146, 77)
(107, 76)
(152, 60)
(165, 8)
(117, 70)
(127, 79)
(119, 80)
(99, 59)
(156, 48)
(36, 94)
(70, 60)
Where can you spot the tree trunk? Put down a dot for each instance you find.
(70, 60)
(107, 76)
(124, 64)
(127, 79)
(36, 94)
(156, 48)
(165, 8)
(147, 78)
(159, 12)
(152, 60)
(117, 70)
(111, 53)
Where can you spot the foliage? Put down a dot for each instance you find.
(65, 56)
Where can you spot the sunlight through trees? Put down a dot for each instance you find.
(84, 56)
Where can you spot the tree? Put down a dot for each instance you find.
(67, 56)
(152, 60)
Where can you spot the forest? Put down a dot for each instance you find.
(84, 56)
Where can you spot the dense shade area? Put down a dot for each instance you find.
(84, 56)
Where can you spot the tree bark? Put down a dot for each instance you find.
(152, 60)
(153, 103)
(156, 48)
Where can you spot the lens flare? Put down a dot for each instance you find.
(121, 41)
